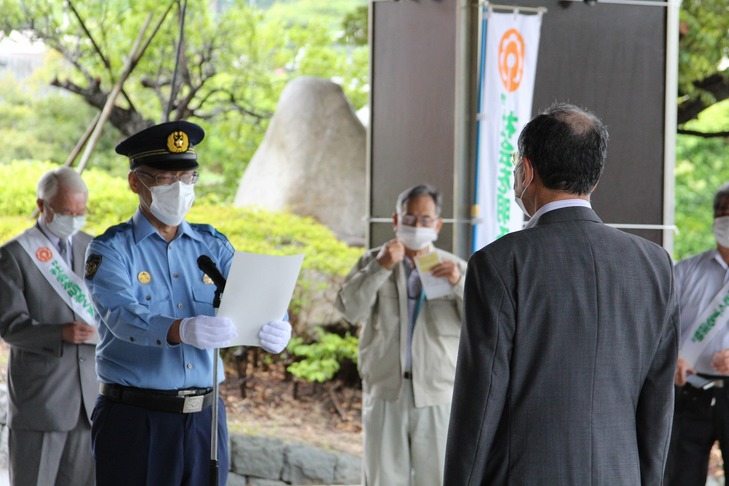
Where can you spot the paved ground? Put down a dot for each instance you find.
(5, 481)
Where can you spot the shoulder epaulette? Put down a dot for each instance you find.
(207, 229)
(112, 231)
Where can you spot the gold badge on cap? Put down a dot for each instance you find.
(207, 280)
(144, 277)
(177, 142)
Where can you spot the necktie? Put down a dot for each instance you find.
(414, 289)
(415, 286)
(63, 250)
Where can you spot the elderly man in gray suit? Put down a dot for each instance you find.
(46, 317)
(569, 342)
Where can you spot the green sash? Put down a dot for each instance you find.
(712, 320)
(69, 286)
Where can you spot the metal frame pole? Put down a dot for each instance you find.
(214, 466)
(214, 424)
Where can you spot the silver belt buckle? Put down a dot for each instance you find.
(193, 404)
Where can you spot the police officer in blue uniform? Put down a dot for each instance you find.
(152, 420)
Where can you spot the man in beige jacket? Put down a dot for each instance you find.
(408, 343)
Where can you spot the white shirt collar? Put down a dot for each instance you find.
(719, 259)
(551, 206)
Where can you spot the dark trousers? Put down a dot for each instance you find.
(134, 446)
(701, 417)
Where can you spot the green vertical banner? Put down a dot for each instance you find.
(509, 47)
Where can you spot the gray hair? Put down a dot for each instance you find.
(417, 191)
(63, 177)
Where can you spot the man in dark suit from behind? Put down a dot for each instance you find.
(46, 317)
(569, 343)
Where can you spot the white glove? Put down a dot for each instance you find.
(274, 336)
(207, 332)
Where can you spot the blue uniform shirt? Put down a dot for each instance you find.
(140, 286)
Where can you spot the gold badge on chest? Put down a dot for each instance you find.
(144, 277)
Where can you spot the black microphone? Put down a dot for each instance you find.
(207, 265)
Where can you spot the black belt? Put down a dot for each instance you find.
(180, 401)
(719, 381)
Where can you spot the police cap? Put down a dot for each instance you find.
(167, 146)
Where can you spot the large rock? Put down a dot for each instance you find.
(305, 465)
(261, 457)
(312, 160)
(265, 461)
(348, 469)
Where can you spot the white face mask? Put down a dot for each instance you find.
(414, 237)
(519, 201)
(66, 226)
(171, 203)
(721, 231)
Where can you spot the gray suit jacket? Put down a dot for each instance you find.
(566, 361)
(49, 380)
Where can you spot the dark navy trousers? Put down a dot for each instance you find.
(134, 446)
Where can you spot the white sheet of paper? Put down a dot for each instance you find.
(93, 339)
(258, 290)
(434, 287)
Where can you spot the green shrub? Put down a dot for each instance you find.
(326, 259)
(12, 226)
(18, 181)
(110, 200)
(322, 358)
(278, 233)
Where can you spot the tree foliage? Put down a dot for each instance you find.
(703, 50)
(701, 167)
(235, 61)
(703, 117)
(47, 125)
(306, 12)
(223, 60)
(354, 27)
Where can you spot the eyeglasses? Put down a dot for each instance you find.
(516, 160)
(411, 220)
(48, 208)
(166, 179)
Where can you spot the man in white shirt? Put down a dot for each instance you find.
(702, 407)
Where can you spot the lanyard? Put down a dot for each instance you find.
(418, 306)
